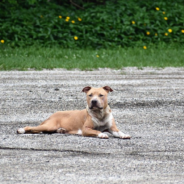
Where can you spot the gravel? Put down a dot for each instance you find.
(148, 104)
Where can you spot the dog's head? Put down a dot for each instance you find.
(97, 97)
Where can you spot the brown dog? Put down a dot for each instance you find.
(92, 121)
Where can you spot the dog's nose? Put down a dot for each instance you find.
(94, 102)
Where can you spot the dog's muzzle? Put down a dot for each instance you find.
(94, 104)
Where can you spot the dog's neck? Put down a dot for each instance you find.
(99, 114)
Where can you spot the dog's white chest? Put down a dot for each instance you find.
(103, 124)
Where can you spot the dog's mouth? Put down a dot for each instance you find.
(95, 107)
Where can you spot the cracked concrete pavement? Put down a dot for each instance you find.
(148, 104)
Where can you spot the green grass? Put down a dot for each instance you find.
(39, 58)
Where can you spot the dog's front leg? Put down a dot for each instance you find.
(117, 133)
(89, 132)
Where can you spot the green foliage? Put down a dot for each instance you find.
(38, 58)
(121, 23)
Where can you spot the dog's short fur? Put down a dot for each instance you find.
(93, 121)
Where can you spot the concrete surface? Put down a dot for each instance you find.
(148, 104)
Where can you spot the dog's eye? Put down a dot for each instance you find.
(100, 95)
(90, 95)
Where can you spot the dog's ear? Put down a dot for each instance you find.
(107, 88)
(86, 89)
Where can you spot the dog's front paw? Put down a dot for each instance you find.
(124, 136)
(121, 135)
(103, 136)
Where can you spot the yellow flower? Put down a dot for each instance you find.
(170, 30)
(97, 55)
(60, 17)
(182, 30)
(75, 38)
(41, 16)
(133, 22)
(73, 21)
(79, 19)
(157, 8)
(67, 19)
(156, 34)
(166, 34)
(163, 12)
(148, 33)
(2, 41)
(144, 47)
(165, 18)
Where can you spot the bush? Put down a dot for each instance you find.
(117, 23)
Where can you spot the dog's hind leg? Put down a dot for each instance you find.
(38, 129)
(61, 130)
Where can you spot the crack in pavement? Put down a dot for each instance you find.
(55, 150)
